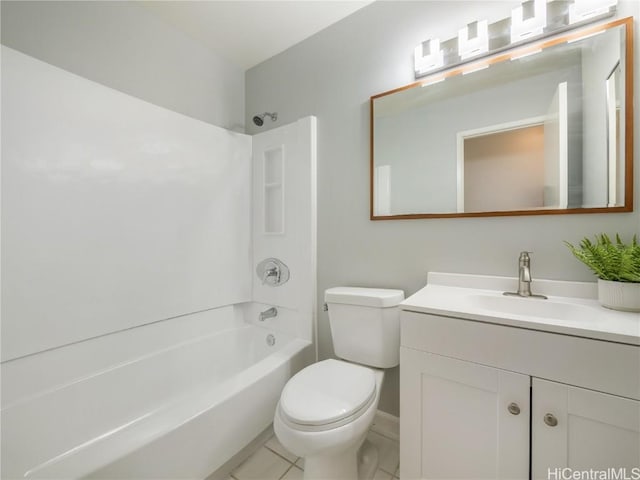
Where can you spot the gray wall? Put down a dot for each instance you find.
(123, 46)
(332, 75)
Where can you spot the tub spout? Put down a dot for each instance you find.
(268, 313)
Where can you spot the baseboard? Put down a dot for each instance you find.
(386, 424)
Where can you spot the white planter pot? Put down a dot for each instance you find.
(619, 295)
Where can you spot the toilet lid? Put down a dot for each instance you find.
(327, 392)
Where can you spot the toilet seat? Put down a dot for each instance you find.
(326, 395)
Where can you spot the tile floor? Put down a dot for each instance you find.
(273, 462)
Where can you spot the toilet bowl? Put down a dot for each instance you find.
(325, 410)
(324, 416)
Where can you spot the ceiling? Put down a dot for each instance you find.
(247, 32)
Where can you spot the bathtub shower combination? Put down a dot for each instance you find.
(173, 411)
(135, 342)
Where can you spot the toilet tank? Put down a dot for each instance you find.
(365, 324)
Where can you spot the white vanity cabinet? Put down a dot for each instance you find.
(456, 420)
(485, 400)
(582, 429)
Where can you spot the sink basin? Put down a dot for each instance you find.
(536, 307)
(571, 309)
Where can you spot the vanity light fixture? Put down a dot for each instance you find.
(531, 21)
(473, 39)
(428, 56)
(582, 10)
(528, 20)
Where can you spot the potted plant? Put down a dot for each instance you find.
(617, 266)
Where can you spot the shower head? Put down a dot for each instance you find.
(259, 119)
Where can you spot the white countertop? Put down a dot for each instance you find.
(571, 308)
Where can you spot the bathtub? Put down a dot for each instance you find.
(178, 412)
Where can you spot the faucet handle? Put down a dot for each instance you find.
(272, 272)
(524, 258)
(524, 277)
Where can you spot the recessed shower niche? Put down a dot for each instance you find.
(273, 183)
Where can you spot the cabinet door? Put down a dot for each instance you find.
(583, 430)
(456, 420)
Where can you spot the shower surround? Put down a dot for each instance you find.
(129, 298)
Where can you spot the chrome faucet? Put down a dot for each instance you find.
(524, 275)
(271, 272)
(268, 313)
(524, 278)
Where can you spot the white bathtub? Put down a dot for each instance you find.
(178, 412)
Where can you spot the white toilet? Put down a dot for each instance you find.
(326, 409)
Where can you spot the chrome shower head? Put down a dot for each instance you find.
(259, 119)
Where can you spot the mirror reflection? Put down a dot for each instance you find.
(534, 132)
(615, 150)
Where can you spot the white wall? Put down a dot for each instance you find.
(123, 46)
(332, 75)
(115, 212)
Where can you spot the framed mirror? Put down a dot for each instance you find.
(546, 128)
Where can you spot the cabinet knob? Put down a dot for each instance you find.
(513, 408)
(550, 420)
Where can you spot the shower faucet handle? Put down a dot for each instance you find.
(272, 272)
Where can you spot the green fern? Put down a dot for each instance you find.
(610, 260)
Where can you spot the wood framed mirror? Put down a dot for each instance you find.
(546, 128)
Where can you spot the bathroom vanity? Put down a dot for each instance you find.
(508, 387)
